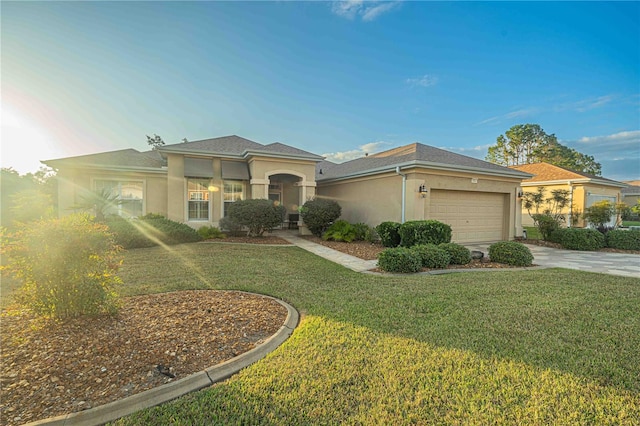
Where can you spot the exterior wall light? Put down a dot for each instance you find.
(520, 193)
(423, 191)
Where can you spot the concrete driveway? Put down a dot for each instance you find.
(626, 265)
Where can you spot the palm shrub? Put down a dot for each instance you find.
(389, 233)
(460, 255)
(399, 259)
(582, 239)
(424, 232)
(210, 232)
(318, 214)
(257, 215)
(341, 230)
(67, 266)
(510, 253)
(431, 256)
(623, 240)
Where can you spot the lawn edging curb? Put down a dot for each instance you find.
(170, 391)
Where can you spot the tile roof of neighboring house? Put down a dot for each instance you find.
(415, 154)
(631, 190)
(236, 146)
(125, 158)
(545, 172)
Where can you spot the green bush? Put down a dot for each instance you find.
(556, 236)
(623, 240)
(431, 256)
(318, 214)
(232, 227)
(210, 232)
(148, 232)
(546, 224)
(400, 259)
(341, 230)
(510, 253)
(582, 239)
(460, 255)
(424, 232)
(67, 266)
(364, 232)
(388, 232)
(257, 215)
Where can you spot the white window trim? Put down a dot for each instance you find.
(242, 196)
(186, 203)
(120, 180)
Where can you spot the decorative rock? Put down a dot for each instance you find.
(475, 254)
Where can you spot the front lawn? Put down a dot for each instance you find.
(533, 347)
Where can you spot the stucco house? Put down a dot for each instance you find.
(584, 189)
(194, 182)
(631, 194)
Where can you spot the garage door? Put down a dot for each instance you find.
(473, 216)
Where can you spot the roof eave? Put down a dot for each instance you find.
(257, 153)
(52, 164)
(580, 180)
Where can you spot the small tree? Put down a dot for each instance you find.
(258, 215)
(601, 213)
(546, 212)
(155, 142)
(100, 202)
(67, 266)
(318, 214)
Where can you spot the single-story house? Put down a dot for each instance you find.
(631, 195)
(194, 182)
(584, 189)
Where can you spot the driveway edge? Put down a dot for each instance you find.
(161, 394)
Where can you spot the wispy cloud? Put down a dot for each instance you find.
(621, 140)
(585, 104)
(365, 10)
(523, 112)
(424, 81)
(368, 148)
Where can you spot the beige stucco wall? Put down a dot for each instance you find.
(261, 168)
(373, 200)
(73, 183)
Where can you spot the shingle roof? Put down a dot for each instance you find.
(413, 154)
(631, 190)
(236, 146)
(128, 158)
(545, 172)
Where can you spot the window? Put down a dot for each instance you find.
(198, 199)
(233, 191)
(129, 195)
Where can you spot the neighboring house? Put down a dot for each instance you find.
(584, 189)
(194, 182)
(631, 194)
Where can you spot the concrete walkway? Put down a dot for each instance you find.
(626, 265)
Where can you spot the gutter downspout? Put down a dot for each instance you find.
(404, 191)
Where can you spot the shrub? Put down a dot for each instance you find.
(388, 232)
(546, 225)
(67, 266)
(424, 232)
(258, 215)
(582, 239)
(460, 255)
(399, 259)
(231, 227)
(623, 240)
(599, 214)
(341, 230)
(149, 231)
(510, 253)
(318, 214)
(210, 232)
(431, 256)
(556, 236)
(364, 232)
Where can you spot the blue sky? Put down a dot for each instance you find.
(333, 78)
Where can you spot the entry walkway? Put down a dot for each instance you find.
(626, 265)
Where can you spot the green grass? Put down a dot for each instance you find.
(532, 233)
(630, 223)
(527, 347)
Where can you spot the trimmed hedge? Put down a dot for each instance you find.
(623, 240)
(257, 215)
(424, 232)
(431, 256)
(364, 232)
(143, 232)
(460, 255)
(584, 239)
(510, 253)
(400, 259)
(388, 233)
(318, 214)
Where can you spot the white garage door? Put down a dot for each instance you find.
(473, 216)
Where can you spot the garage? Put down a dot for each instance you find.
(473, 216)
